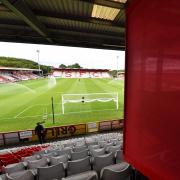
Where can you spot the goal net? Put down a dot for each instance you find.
(89, 98)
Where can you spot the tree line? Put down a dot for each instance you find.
(23, 63)
(75, 65)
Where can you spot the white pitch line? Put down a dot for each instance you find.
(89, 111)
(31, 107)
(58, 113)
(23, 111)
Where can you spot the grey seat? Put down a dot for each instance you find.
(31, 158)
(90, 143)
(113, 149)
(51, 172)
(78, 166)
(119, 156)
(80, 148)
(108, 145)
(97, 152)
(3, 177)
(114, 141)
(80, 143)
(120, 171)
(37, 163)
(21, 175)
(70, 145)
(57, 152)
(102, 143)
(79, 155)
(11, 168)
(48, 154)
(59, 159)
(101, 161)
(119, 143)
(91, 147)
(88, 175)
(66, 150)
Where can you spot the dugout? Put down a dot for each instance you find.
(152, 86)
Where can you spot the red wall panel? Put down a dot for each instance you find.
(152, 101)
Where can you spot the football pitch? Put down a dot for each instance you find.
(25, 103)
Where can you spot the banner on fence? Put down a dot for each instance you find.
(92, 127)
(25, 134)
(65, 131)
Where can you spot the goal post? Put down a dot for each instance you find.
(89, 98)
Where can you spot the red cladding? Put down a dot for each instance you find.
(152, 102)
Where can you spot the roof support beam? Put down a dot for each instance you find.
(63, 43)
(60, 33)
(107, 3)
(77, 18)
(21, 10)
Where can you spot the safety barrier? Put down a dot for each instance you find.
(19, 137)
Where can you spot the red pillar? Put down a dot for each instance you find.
(152, 88)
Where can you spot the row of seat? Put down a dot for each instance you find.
(70, 157)
(10, 157)
(121, 171)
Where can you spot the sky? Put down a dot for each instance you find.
(56, 55)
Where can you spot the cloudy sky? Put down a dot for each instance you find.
(56, 55)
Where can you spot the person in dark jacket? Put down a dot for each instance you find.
(39, 131)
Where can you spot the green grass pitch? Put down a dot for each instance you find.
(24, 103)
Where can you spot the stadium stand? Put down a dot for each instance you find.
(82, 158)
(80, 73)
(10, 75)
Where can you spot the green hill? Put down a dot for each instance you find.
(22, 63)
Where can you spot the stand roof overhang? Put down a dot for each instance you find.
(78, 23)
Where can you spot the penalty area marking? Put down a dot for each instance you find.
(23, 111)
(29, 108)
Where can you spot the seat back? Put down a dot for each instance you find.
(91, 143)
(70, 145)
(102, 143)
(88, 175)
(98, 152)
(120, 171)
(113, 149)
(37, 163)
(119, 156)
(51, 172)
(11, 168)
(108, 145)
(80, 148)
(91, 147)
(80, 143)
(48, 155)
(78, 166)
(66, 150)
(59, 159)
(79, 155)
(25, 175)
(31, 158)
(114, 141)
(101, 161)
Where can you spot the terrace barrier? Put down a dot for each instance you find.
(57, 132)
